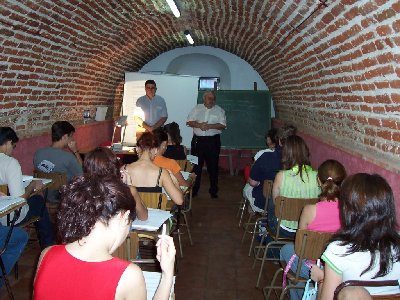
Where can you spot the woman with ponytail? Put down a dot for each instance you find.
(322, 216)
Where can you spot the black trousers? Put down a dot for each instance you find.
(206, 148)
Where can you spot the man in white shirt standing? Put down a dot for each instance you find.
(207, 120)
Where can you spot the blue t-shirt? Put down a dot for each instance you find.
(265, 168)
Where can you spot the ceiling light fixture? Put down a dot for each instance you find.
(189, 37)
(174, 8)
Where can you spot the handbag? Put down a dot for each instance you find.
(310, 293)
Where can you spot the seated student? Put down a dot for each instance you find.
(16, 245)
(103, 162)
(367, 247)
(94, 220)
(145, 175)
(323, 216)
(56, 158)
(271, 142)
(11, 175)
(264, 168)
(171, 165)
(174, 148)
(297, 180)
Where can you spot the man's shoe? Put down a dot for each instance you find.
(214, 196)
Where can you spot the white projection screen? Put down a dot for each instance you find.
(179, 92)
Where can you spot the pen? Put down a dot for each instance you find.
(164, 230)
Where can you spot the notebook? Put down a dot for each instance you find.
(7, 202)
(27, 179)
(156, 218)
(152, 280)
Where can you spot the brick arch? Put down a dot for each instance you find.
(333, 70)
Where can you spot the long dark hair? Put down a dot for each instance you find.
(295, 152)
(331, 174)
(101, 161)
(174, 133)
(368, 217)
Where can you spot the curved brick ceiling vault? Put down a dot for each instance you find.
(332, 69)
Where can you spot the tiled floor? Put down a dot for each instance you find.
(215, 267)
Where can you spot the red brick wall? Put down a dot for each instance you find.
(333, 71)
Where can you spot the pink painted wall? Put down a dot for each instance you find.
(87, 136)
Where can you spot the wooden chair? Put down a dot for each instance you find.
(4, 188)
(58, 180)
(267, 192)
(185, 165)
(285, 209)
(129, 249)
(308, 245)
(154, 200)
(370, 283)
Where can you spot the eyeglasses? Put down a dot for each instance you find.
(151, 88)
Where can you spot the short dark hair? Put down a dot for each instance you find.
(272, 134)
(146, 141)
(295, 152)
(102, 162)
(88, 199)
(368, 218)
(8, 134)
(160, 135)
(150, 81)
(331, 174)
(174, 132)
(59, 129)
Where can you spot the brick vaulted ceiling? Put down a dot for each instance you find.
(331, 65)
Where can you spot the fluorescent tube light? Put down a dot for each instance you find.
(189, 37)
(174, 8)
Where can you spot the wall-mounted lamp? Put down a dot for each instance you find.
(189, 37)
(174, 8)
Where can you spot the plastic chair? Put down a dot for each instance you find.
(285, 209)
(370, 283)
(308, 245)
(267, 192)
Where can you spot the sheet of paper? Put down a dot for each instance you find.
(27, 177)
(185, 175)
(193, 159)
(152, 280)
(156, 218)
(7, 202)
(45, 181)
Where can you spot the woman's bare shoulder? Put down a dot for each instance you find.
(131, 284)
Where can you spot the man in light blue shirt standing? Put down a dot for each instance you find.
(153, 106)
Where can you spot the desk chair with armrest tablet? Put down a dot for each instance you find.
(17, 210)
(58, 180)
(267, 192)
(147, 238)
(308, 245)
(285, 209)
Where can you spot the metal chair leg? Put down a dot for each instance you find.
(243, 208)
(252, 239)
(180, 241)
(188, 229)
(6, 282)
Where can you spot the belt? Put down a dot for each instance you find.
(209, 137)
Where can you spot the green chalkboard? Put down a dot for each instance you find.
(248, 117)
